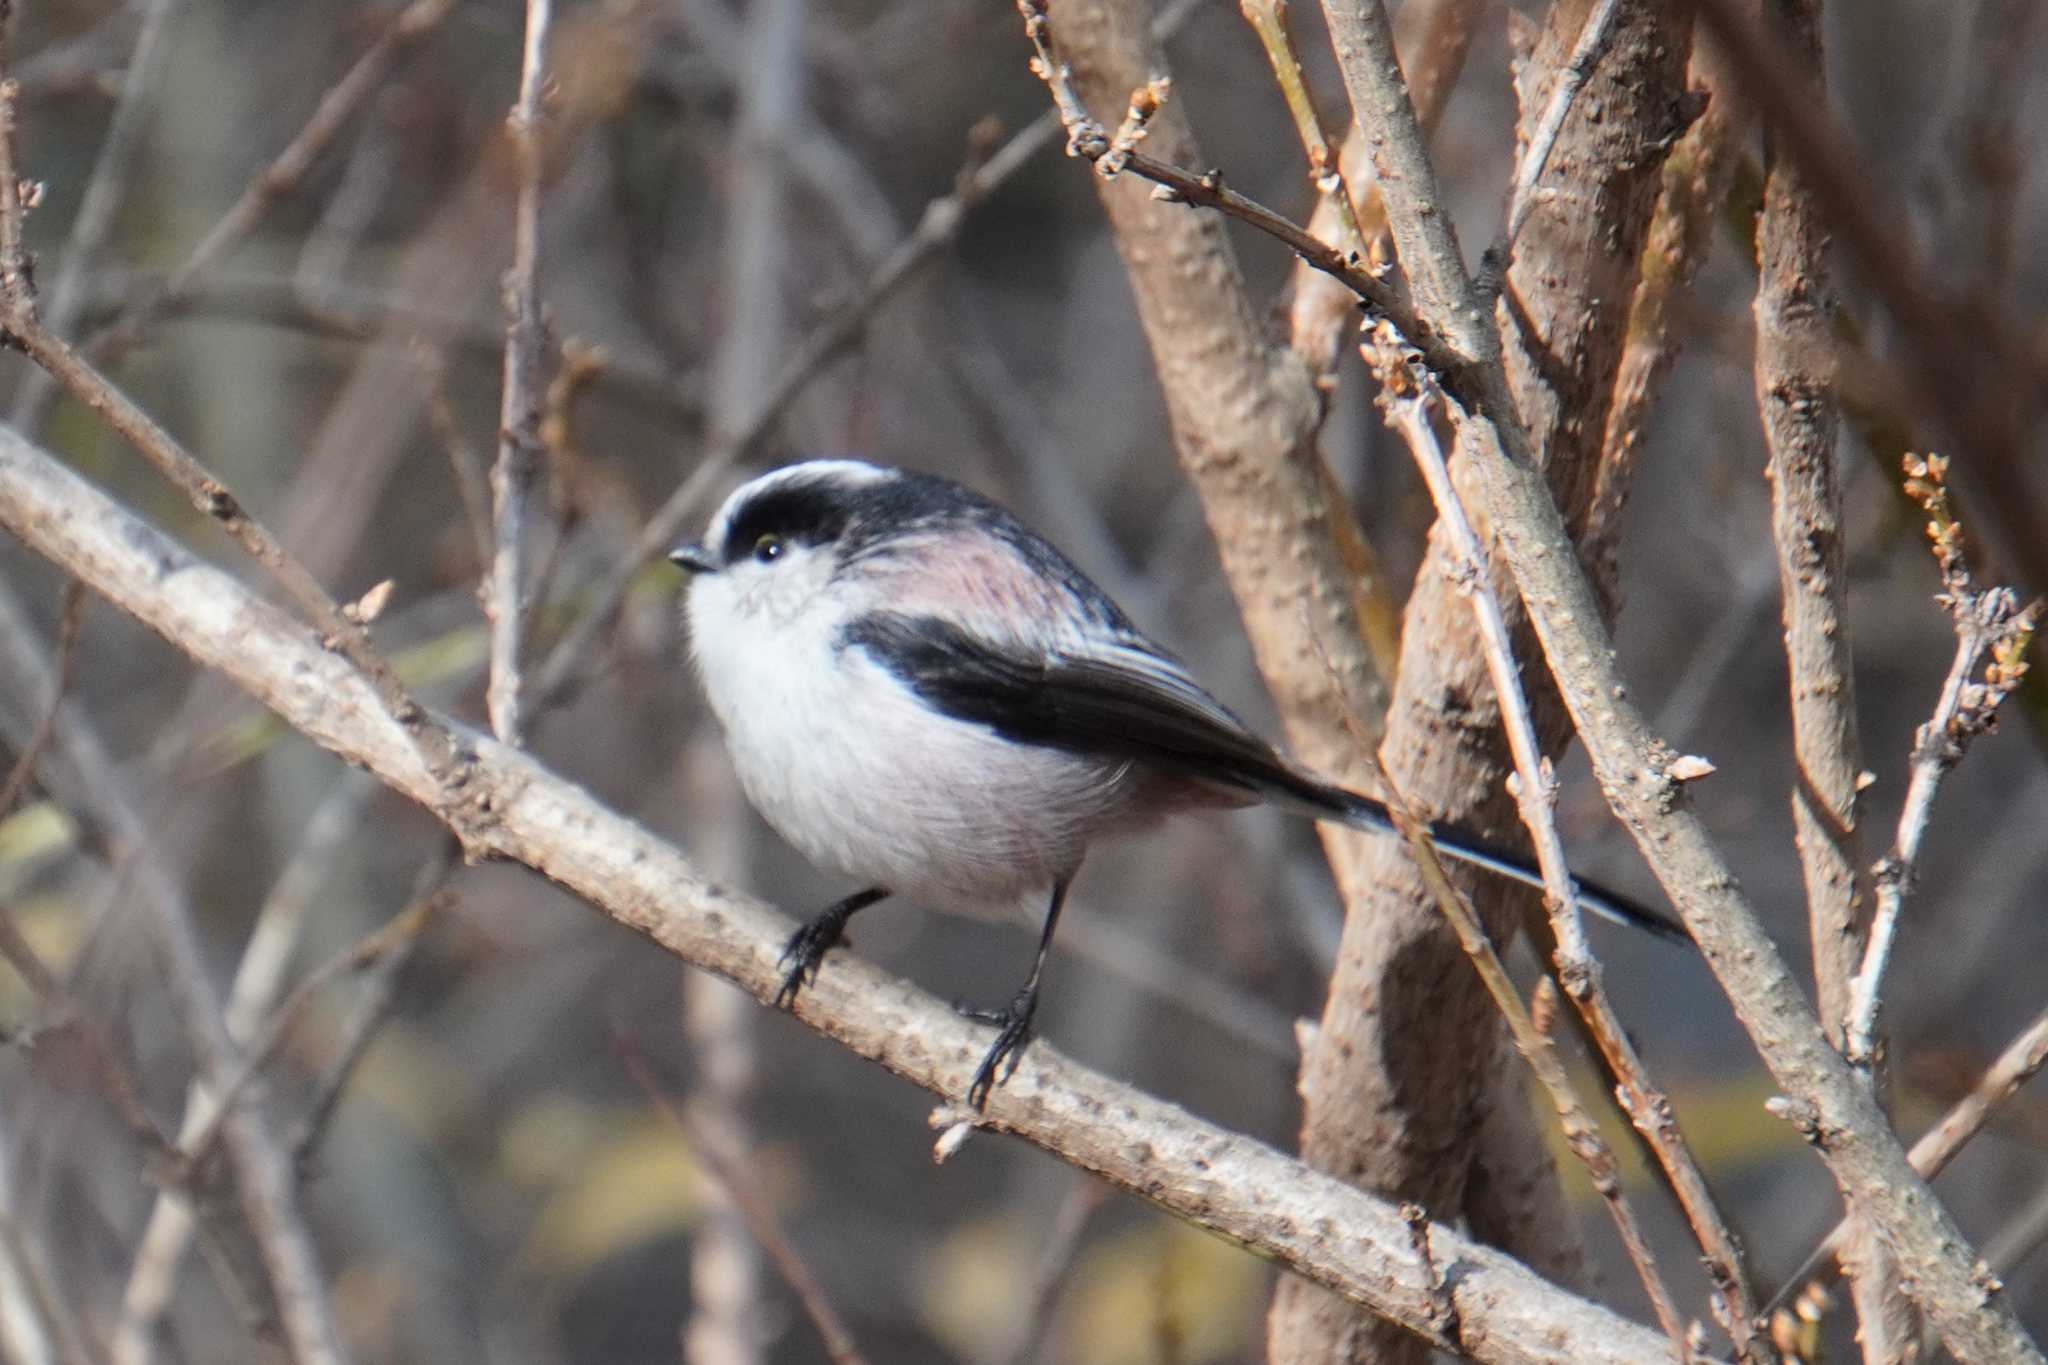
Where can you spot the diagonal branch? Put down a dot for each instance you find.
(1342, 1238)
(1833, 1109)
(1535, 789)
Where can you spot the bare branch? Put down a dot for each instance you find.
(1841, 1118)
(1594, 36)
(518, 463)
(1794, 391)
(1988, 622)
(1535, 789)
(2021, 1061)
(1341, 1237)
(728, 1169)
(94, 222)
(277, 180)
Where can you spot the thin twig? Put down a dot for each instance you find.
(1058, 1256)
(393, 936)
(472, 484)
(373, 1005)
(1339, 1237)
(16, 278)
(1531, 1039)
(1586, 53)
(1847, 1128)
(259, 976)
(275, 181)
(1987, 622)
(1268, 19)
(91, 62)
(518, 463)
(729, 1171)
(1406, 405)
(126, 130)
(2021, 1061)
(570, 661)
(388, 318)
(37, 1323)
(70, 615)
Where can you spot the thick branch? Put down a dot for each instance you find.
(1342, 1238)
(1835, 1111)
(1794, 317)
(1403, 1116)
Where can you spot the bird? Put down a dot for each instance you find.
(921, 693)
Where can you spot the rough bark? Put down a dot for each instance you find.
(1489, 1308)
(1794, 388)
(1244, 415)
(1400, 1115)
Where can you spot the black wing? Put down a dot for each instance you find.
(1128, 702)
(1117, 701)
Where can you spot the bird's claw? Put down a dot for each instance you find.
(1013, 1033)
(805, 953)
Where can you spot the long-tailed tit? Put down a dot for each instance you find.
(921, 693)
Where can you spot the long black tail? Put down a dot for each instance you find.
(1363, 812)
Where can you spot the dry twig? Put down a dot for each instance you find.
(373, 1004)
(1991, 624)
(728, 1169)
(1405, 397)
(2021, 1061)
(518, 462)
(277, 180)
(70, 615)
(1341, 1237)
(1845, 1123)
(94, 223)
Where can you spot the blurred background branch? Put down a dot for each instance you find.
(292, 262)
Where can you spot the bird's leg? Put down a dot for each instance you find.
(1013, 1021)
(808, 945)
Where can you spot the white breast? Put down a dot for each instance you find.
(863, 778)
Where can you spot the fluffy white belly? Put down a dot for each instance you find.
(864, 779)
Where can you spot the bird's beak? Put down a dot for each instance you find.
(693, 558)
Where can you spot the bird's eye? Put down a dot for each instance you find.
(768, 548)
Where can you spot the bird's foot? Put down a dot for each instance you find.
(806, 951)
(1013, 1032)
